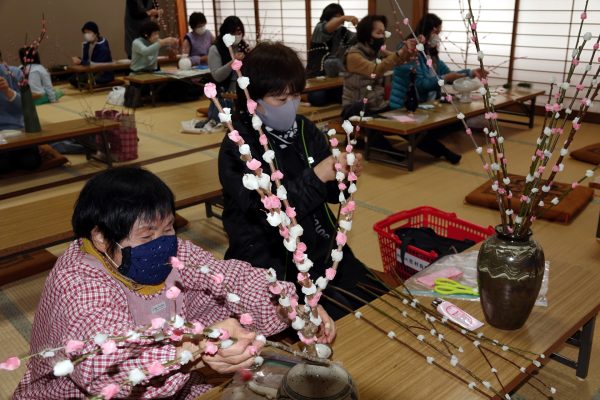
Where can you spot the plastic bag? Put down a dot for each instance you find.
(116, 96)
(467, 263)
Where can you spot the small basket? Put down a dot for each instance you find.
(443, 223)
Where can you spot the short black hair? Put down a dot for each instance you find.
(196, 18)
(427, 24)
(91, 26)
(148, 29)
(230, 25)
(331, 11)
(272, 68)
(32, 55)
(365, 27)
(115, 199)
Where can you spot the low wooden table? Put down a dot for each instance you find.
(385, 370)
(39, 224)
(90, 71)
(116, 66)
(314, 84)
(58, 131)
(443, 115)
(156, 80)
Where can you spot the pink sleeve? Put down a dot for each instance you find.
(249, 283)
(102, 309)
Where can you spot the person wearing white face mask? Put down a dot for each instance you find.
(219, 62)
(144, 49)
(426, 83)
(95, 50)
(197, 42)
(219, 59)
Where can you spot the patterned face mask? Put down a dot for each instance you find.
(148, 263)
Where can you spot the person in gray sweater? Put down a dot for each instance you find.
(219, 59)
(219, 63)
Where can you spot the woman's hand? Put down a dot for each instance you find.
(240, 355)
(169, 41)
(196, 361)
(155, 13)
(408, 51)
(325, 170)
(352, 19)
(478, 73)
(5, 88)
(327, 331)
(452, 76)
(76, 60)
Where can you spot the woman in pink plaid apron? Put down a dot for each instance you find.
(114, 276)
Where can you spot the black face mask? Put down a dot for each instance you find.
(376, 44)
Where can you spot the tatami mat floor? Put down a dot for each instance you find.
(383, 190)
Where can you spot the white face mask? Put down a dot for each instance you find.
(434, 40)
(89, 37)
(200, 31)
(238, 39)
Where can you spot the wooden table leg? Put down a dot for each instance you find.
(598, 229)
(583, 339)
(367, 145)
(106, 148)
(410, 154)
(90, 81)
(216, 202)
(532, 112)
(78, 80)
(152, 95)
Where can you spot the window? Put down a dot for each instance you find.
(495, 33)
(545, 35)
(285, 21)
(278, 20)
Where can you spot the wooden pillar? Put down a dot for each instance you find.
(181, 17)
(216, 18)
(513, 42)
(372, 8)
(308, 12)
(257, 21)
(420, 8)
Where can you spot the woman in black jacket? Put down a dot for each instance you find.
(303, 155)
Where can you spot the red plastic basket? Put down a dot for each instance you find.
(443, 223)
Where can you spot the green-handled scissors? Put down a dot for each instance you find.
(448, 286)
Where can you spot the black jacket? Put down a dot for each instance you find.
(251, 238)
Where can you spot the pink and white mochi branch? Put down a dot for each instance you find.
(493, 155)
(305, 318)
(160, 331)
